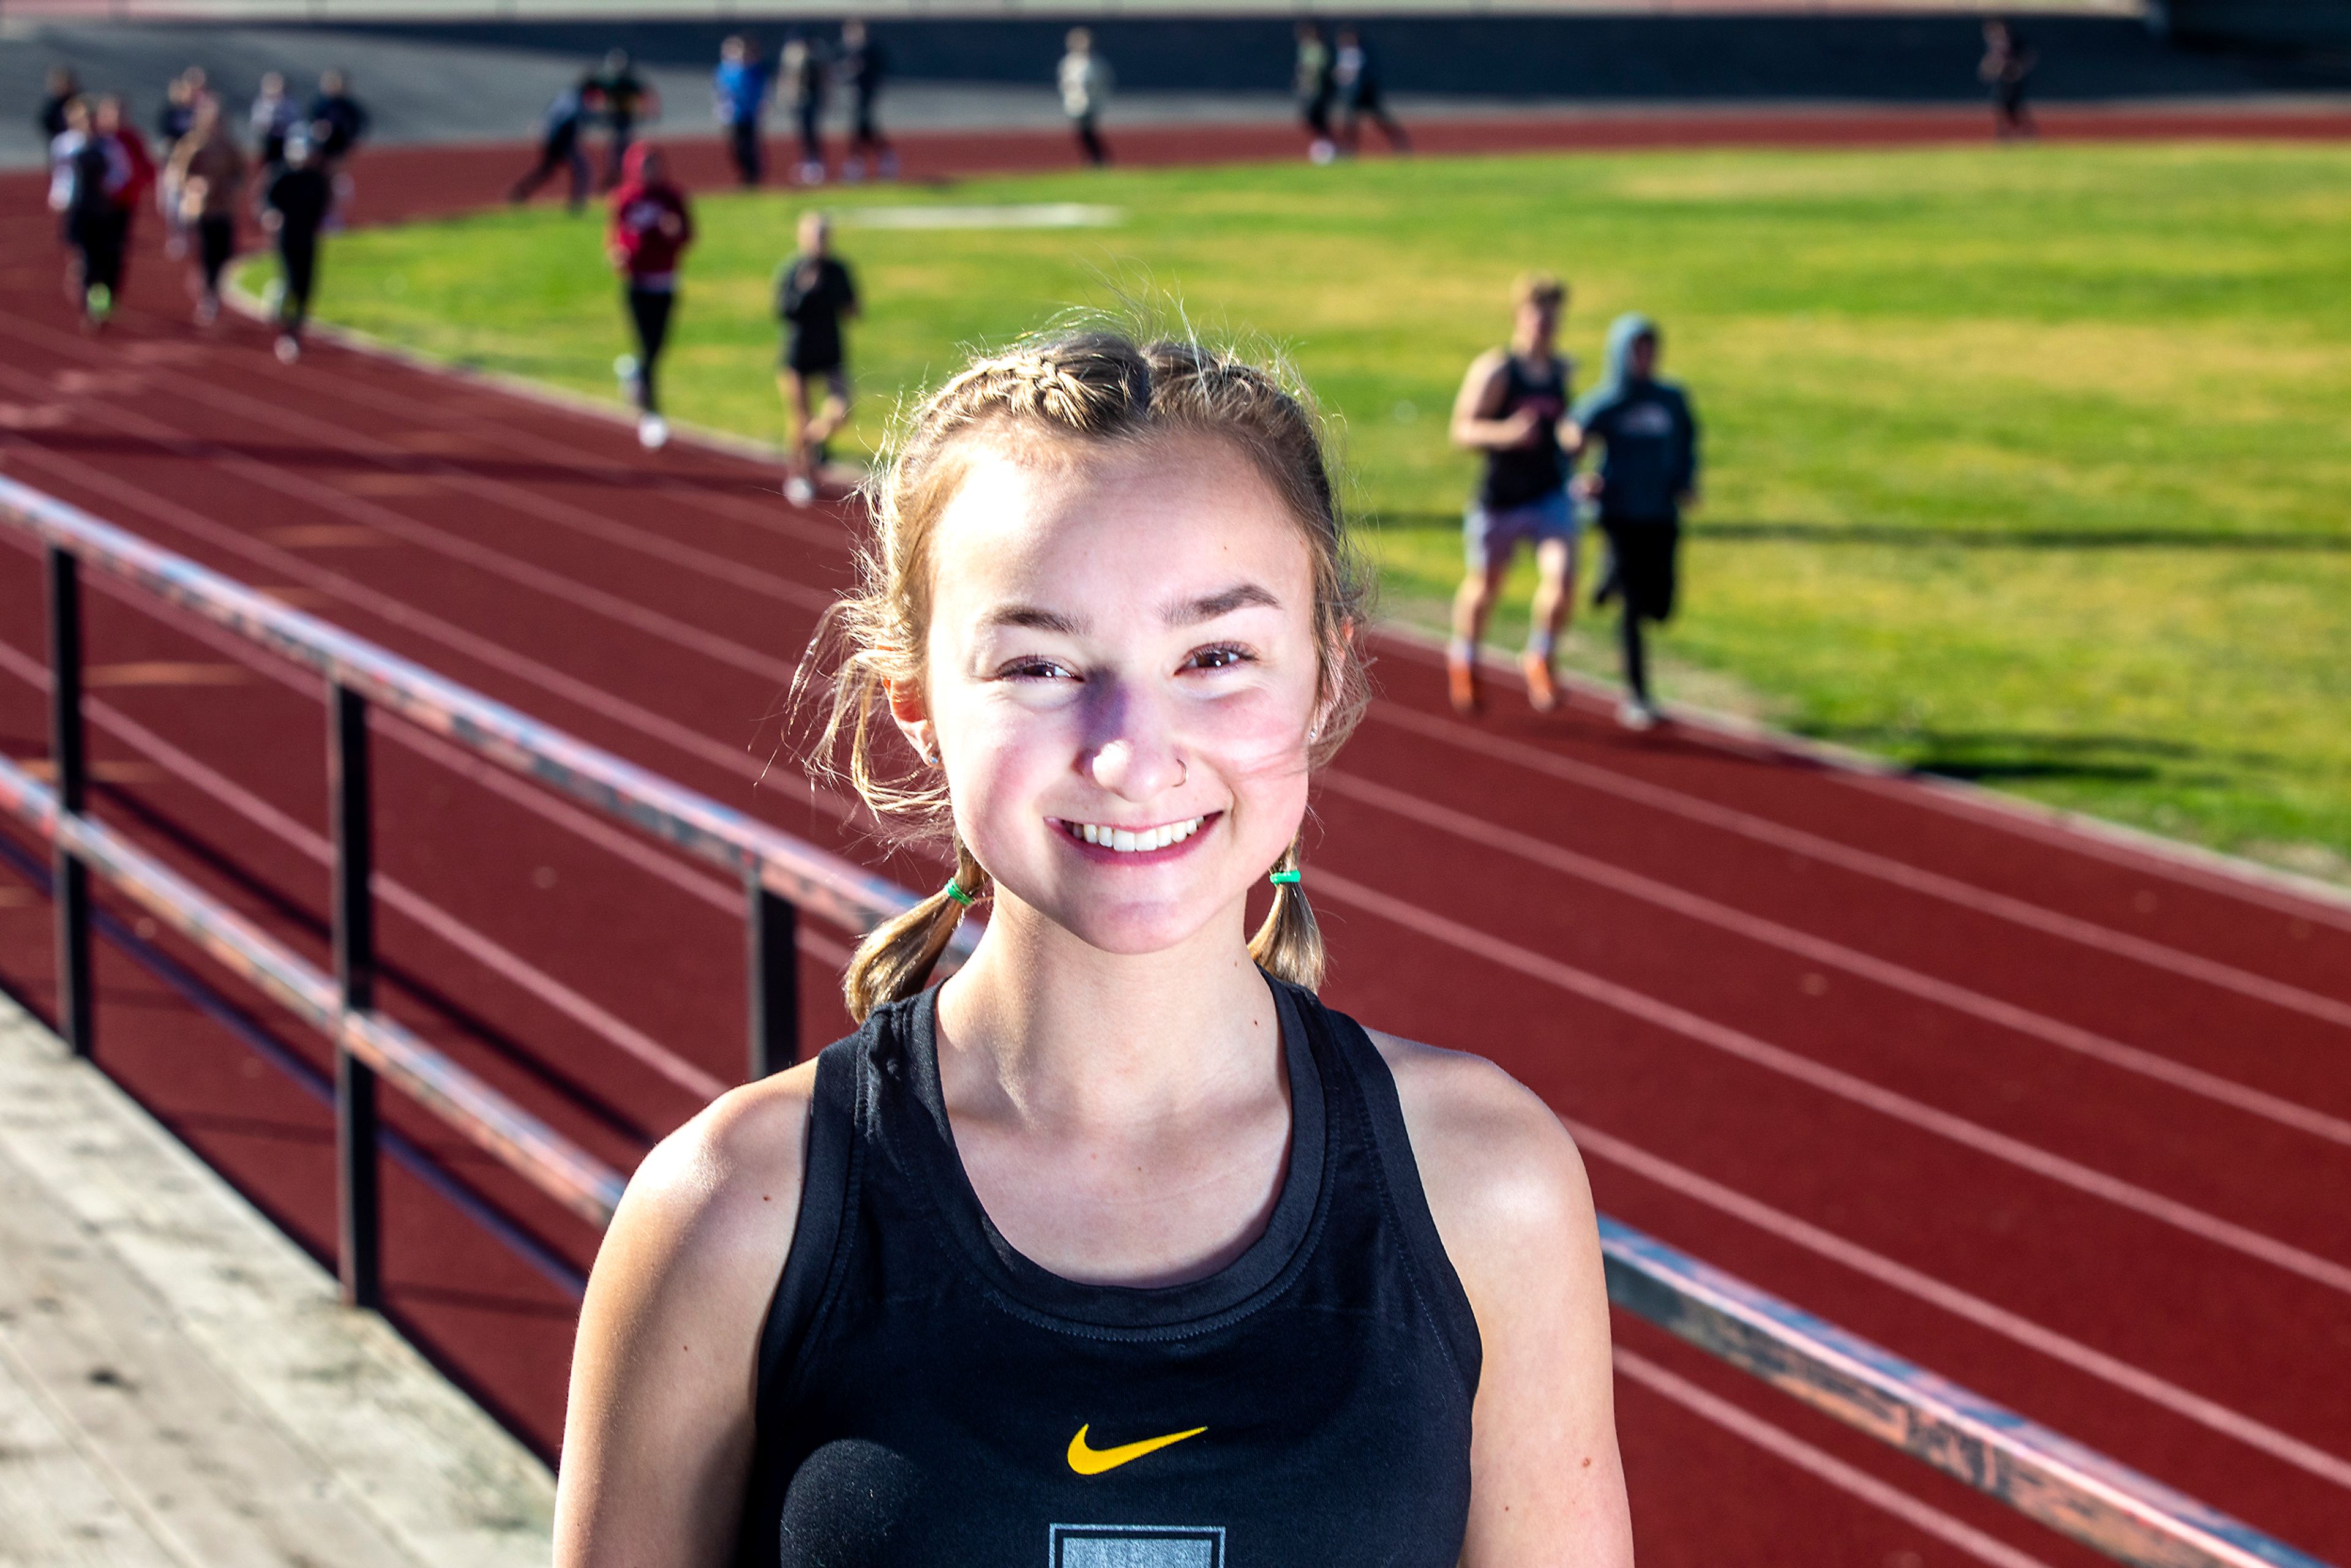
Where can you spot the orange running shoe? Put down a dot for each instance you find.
(1461, 682)
(1543, 692)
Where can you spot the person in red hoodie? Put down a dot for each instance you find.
(650, 229)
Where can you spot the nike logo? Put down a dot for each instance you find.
(1089, 1462)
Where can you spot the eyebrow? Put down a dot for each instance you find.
(1183, 612)
(1240, 596)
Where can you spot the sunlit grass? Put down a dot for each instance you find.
(2030, 464)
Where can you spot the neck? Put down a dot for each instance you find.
(1530, 347)
(1057, 1034)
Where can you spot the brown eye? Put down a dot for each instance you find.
(1224, 656)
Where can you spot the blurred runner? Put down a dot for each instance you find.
(559, 129)
(208, 171)
(2008, 61)
(337, 124)
(59, 87)
(862, 65)
(1513, 408)
(83, 179)
(132, 173)
(650, 229)
(270, 120)
(1356, 76)
(738, 92)
(294, 211)
(1647, 474)
(1084, 78)
(1311, 82)
(802, 87)
(173, 122)
(814, 294)
(619, 98)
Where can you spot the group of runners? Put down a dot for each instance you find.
(204, 179)
(1517, 409)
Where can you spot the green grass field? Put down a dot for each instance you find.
(2028, 464)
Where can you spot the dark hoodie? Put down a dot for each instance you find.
(650, 224)
(1645, 425)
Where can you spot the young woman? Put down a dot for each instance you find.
(1118, 1249)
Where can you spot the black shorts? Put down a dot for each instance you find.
(811, 364)
(1643, 557)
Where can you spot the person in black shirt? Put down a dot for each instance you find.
(2008, 62)
(1647, 475)
(337, 121)
(558, 148)
(861, 66)
(295, 211)
(61, 87)
(1513, 409)
(621, 96)
(801, 85)
(814, 293)
(83, 186)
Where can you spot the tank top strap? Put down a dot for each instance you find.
(1398, 1172)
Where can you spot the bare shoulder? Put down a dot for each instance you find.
(1499, 1169)
(1485, 368)
(721, 1192)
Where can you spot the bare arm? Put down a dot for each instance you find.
(658, 1435)
(1508, 1191)
(1474, 424)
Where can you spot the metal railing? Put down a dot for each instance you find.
(2043, 1475)
(781, 876)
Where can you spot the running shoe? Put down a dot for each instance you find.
(289, 349)
(207, 310)
(625, 369)
(799, 491)
(100, 303)
(1542, 691)
(1638, 714)
(1461, 683)
(653, 433)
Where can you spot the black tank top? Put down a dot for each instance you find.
(1524, 474)
(928, 1396)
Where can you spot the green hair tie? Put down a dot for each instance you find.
(954, 890)
(1292, 877)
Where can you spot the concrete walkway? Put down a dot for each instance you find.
(178, 1385)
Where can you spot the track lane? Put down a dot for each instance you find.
(1818, 1522)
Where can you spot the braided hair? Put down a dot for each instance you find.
(1086, 387)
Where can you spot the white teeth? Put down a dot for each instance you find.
(1130, 840)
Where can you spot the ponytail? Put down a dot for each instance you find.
(896, 958)
(1288, 945)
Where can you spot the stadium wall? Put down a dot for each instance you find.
(1888, 56)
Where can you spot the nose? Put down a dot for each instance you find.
(1134, 754)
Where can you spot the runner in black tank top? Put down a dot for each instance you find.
(1516, 475)
(926, 1395)
(1116, 1248)
(1513, 409)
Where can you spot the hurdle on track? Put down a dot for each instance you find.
(2048, 1478)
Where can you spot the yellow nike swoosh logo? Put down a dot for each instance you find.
(1089, 1462)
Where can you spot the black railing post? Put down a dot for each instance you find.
(360, 1209)
(69, 752)
(775, 963)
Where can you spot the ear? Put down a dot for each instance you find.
(913, 716)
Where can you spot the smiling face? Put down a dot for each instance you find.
(1120, 679)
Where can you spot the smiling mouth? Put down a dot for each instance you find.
(1133, 840)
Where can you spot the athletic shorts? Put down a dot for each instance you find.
(1643, 565)
(1489, 535)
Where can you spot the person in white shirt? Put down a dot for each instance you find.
(1085, 83)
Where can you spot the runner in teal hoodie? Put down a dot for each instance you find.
(1647, 474)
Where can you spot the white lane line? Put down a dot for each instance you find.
(1834, 954)
(1785, 1445)
(473, 943)
(1867, 862)
(585, 695)
(1960, 1303)
(172, 440)
(1843, 1085)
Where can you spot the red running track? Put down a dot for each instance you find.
(2062, 1117)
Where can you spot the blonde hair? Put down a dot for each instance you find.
(1091, 388)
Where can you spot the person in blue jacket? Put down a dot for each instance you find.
(1647, 475)
(739, 91)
